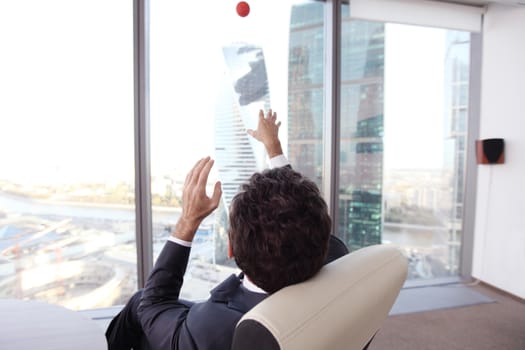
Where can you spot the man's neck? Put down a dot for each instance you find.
(251, 286)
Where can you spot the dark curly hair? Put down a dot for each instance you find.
(279, 228)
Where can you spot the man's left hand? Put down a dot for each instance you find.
(196, 204)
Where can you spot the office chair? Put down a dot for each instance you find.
(342, 307)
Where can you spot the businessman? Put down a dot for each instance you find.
(279, 235)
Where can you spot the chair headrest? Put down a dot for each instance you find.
(341, 307)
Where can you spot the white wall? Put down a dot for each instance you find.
(499, 238)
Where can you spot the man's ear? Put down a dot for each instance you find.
(230, 250)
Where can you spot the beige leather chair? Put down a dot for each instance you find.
(342, 307)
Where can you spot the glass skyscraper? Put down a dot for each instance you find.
(305, 89)
(361, 157)
(243, 92)
(362, 124)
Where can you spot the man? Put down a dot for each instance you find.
(279, 235)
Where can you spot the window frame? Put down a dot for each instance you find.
(143, 211)
(331, 133)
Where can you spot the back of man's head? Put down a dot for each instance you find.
(279, 228)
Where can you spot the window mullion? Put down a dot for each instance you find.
(332, 107)
(471, 174)
(143, 217)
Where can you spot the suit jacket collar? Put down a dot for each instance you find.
(232, 293)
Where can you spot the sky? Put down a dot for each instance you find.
(414, 97)
(66, 85)
(185, 92)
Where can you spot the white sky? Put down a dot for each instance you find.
(414, 97)
(66, 85)
(190, 85)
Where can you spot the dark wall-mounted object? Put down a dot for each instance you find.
(490, 151)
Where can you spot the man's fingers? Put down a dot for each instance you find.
(205, 171)
(196, 171)
(217, 192)
(191, 172)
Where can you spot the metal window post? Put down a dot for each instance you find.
(143, 217)
(474, 108)
(332, 108)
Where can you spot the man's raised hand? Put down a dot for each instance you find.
(268, 133)
(196, 204)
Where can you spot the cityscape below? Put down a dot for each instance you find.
(85, 257)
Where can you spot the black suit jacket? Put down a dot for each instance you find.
(170, 323)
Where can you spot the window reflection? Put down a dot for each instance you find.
(202, 104)
(403, 129)
(306, 89)
(362, 127)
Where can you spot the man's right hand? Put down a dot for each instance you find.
(268, 133)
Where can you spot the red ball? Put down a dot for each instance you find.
(243, 9)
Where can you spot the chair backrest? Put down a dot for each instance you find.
(341, 307)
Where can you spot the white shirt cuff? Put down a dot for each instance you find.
(179, 241)
(279, 161)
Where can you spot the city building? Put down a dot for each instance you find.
(305, 89)
(361, 144)
(243, 92)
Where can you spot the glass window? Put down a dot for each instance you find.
(206, 90)
(67, 222)
(306, 89)
(362, 128)
(404, 93)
